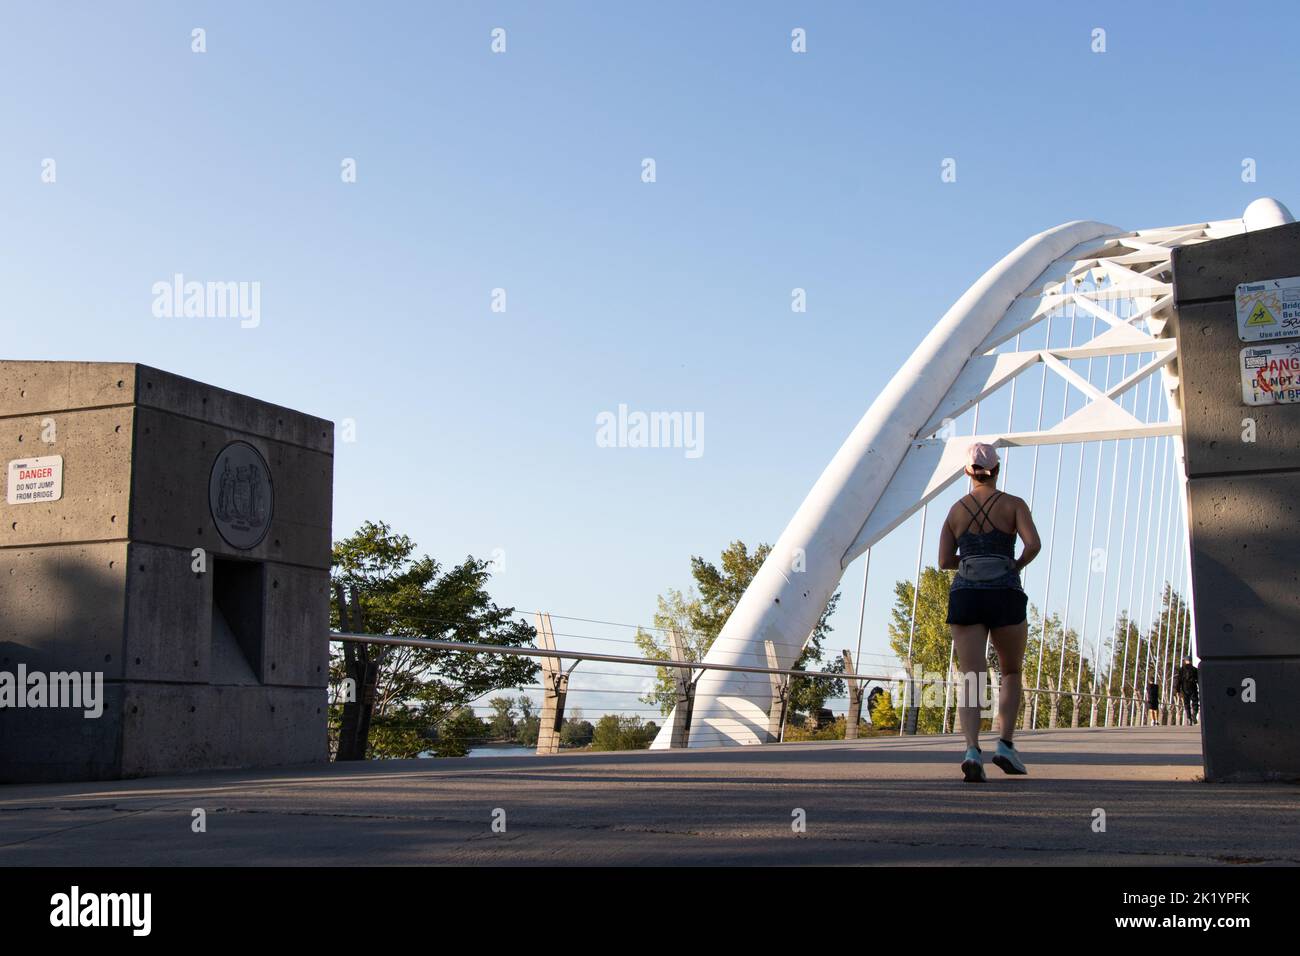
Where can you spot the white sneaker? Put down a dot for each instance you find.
(972, 766)
(1008, 758)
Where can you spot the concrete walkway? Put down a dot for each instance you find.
(893, 800)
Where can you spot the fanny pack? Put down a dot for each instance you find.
(985, 567)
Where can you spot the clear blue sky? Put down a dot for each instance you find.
(522, 171)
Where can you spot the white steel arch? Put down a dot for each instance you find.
(898, 458)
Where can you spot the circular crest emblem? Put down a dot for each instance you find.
(241, 496)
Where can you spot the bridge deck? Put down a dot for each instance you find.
(888, 800)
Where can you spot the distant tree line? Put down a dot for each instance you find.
(514, 721)
(698, 615)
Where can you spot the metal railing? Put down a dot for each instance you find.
(910, 709)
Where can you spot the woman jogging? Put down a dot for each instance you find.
(986, 601)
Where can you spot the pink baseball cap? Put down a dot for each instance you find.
(983, 456)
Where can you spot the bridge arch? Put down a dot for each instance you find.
(901, 455)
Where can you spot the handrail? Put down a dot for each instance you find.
(465, 647)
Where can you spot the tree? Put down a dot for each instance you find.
(721, 586)
(1173, 622)
(931, 641)
(576, 732)
(457, 733)
(529, 726)
(676, 611)
(620, 732)
(883, 714)
(1127, 649)
(528, 730)
(1058, 673)
(525, 705)
(931, 645)
(700, 613)
(502, 724)
(1137, 657)
(1170, 633)
(404, 693)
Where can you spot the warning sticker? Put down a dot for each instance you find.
(1261, 316)
(33, 480)
(1270, 374)
(1269, 309)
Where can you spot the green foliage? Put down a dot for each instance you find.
(501, 726)
(1130, 651)
(1056, 671)
(809, 695)
(1173, 623)
(527, 730)
(676, 611)
(1059, 648)
(721, 586)
(797, 731)
(931, 647)
(700, 613)
(1132, 654)
(419, 690)
(883, 714)
(399, 731)
(931, 644)
(576, 733)
(619, 732)
(526, 706)
(457, 733)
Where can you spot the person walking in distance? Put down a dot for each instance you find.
(1188, 686)
(986, 601)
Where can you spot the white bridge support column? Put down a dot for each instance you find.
(782, 605)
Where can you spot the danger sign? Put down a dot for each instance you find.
(1269, 309)
(33, 480)
(1270, 374)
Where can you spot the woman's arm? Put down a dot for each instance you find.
(947, 547)
(1028, 534)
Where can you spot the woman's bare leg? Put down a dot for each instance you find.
(1009, 642)
(968, 641)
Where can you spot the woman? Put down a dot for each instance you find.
(1153, 703)
(986, 601)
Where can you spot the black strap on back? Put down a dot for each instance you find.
(982, 514)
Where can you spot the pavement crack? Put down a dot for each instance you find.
(122, 812)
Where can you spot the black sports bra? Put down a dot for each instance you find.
(988, 539)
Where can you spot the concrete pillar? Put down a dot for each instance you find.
(555, 688)
(911, 715)
(684, 697)
(181, 556)
(854, 716)
(1243, 469)
(780, 696)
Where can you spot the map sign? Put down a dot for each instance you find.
(1268, 309)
